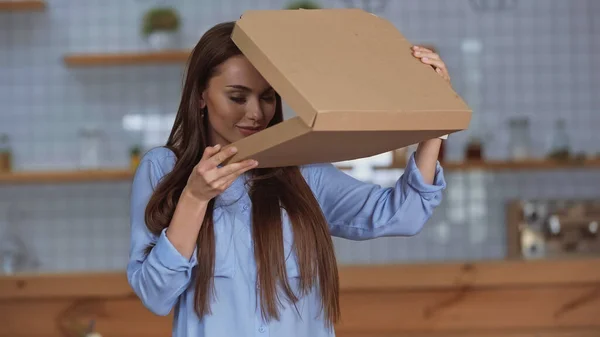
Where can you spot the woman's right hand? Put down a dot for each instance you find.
(208, 180)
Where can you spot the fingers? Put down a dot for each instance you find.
(436, 63)
(443, 73)
(423, 49)
(211, 158)
(209, 180)
(439, 67)
(210, 151)
(236, 169)
(214, 158)
(220, 179)
(427, 55)
(231, 172)
(433, 59)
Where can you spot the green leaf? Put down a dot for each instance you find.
(165, 19)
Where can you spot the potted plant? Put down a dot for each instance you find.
(135, 155)
(160, 26)
(303, 4)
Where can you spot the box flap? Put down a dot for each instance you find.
(293, 143)
(340, 68)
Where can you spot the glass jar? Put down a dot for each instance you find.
(560, 144)
(13, 253)
(520, 138)
(90, 148)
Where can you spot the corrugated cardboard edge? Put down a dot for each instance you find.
(297, 101)
(456, 120)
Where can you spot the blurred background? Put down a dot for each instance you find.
(86, 87)
(85, 90)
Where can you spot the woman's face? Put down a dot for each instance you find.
(240, 101)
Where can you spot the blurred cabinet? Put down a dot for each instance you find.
(553, 228)
(494, 299)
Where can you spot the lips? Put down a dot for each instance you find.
(249, 130)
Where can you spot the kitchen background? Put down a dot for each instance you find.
(528, 68)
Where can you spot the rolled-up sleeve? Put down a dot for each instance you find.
(161, 276)
(358, 210)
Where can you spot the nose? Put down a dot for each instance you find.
(255, 110)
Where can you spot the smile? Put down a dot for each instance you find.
(247, 131)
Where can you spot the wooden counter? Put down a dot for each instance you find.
(488, 299)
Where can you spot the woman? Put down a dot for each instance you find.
(237, 250)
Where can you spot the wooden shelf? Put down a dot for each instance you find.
(513, 166)
(122, 59)
(22, 6)
(65, 176)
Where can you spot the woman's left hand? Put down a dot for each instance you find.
(429, 57)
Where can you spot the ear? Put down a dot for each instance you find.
(203, 100)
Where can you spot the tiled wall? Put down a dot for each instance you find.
(538, 60)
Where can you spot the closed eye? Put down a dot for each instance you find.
(239, 100)
(269, 97)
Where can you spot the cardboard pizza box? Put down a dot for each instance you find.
(352, 81)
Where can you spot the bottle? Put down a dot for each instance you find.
(5, 153)
(560, 145)
(520, 139)
(90, 147)
(474, 150)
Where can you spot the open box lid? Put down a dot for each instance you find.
(345, 73)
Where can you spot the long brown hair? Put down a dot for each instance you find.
(271, 189)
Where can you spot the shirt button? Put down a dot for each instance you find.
(262, 329)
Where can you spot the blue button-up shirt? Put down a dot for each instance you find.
(355, 210)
